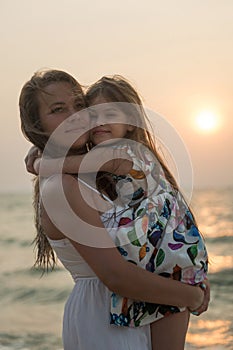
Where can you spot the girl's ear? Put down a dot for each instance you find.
(131, 123)
(130, 127)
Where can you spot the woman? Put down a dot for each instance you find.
(46, 101)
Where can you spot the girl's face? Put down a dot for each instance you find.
(107, 121)
(58, 107)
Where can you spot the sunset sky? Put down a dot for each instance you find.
(178, 54)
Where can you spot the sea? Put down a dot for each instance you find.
(31, 305)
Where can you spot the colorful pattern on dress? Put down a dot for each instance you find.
(158, 233)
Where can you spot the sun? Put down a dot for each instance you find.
(207, 121)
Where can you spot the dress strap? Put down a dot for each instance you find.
(95, 190)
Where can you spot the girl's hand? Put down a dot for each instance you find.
(205, 287)
(36, 165)
(30, 158)
(49, 166)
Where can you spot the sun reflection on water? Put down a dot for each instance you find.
(209, 333)
(219, 263)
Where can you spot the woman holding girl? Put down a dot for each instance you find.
(45, 102)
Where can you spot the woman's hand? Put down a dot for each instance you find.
(30, 158)
(205, 287)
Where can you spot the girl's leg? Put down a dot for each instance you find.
(170, 332)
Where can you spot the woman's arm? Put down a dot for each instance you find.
(79, 214)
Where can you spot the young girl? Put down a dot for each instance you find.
(156, 229)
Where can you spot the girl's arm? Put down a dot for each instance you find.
(80, 222)
(100, 158)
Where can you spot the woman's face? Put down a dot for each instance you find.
(58, 107)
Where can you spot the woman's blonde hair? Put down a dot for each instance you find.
(33, 131)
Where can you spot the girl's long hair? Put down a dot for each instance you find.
(117, 89)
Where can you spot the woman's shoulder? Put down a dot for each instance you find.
(53, 197)
(56, 182)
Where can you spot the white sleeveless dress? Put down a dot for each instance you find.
(86, 321)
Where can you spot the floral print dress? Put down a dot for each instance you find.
(156, 231)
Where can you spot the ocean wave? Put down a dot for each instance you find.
(221, 239)
(16, 241)
(221, 278)
(33, 271)
(9, 341)
(34, 295)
